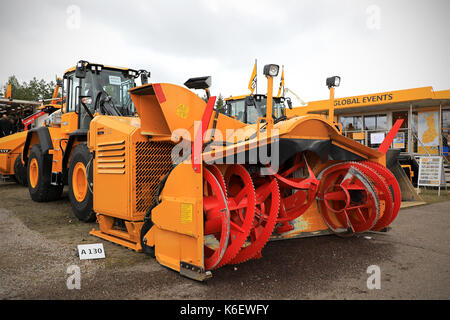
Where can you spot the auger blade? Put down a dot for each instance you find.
(217, 219)
(218, 175)
(384, 195)
(394, 188)
(348, 198)
(241, 202)
(267, 206)
(297, 194)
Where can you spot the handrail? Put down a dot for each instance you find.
(421, 143)
(441, 151)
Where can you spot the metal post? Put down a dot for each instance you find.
(331, 109)
(410, 129)
(441, 152)
(269, 118)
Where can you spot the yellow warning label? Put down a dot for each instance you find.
(186, 213)
(182, 111)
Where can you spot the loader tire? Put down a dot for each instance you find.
(39, 174)
(80, 187)
(149, 250)
(20, 172)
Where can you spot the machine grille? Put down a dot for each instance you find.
(153, 162)
(111, 157)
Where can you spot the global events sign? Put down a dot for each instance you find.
(364, 100)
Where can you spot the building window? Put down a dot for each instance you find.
(370, 122)
(375, 122)
(446, 130)
(350, 123)
(381, 121)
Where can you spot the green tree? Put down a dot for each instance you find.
(220, 104)
(32, 91)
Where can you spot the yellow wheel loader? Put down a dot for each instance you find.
(245, 108)
(199, 190)
(56, 153)
(10, 157)
(11, 146)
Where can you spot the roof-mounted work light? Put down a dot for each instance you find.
(80, 70)
(271, 70)
(333, 82)
(199, 83)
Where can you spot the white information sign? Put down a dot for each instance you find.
(115, 80)
(376, 137)
(91, 251)
(431, 172)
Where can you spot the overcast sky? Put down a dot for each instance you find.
(374, 46)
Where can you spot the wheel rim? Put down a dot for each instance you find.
(79, 182)
(34, 172)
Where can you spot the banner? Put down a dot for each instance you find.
(252, 83)
(428, 131)
(399, 141)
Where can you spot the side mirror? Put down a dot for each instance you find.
(59, 82)
(249, 101)
(289, 102)
(144, 76)
(80, 71)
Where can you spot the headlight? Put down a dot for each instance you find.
(333, 81)
(271, 70)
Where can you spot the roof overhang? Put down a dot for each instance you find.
(400, 99)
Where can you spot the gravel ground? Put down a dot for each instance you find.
(38, 243)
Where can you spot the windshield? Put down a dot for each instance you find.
(256, 108)
(112, 86)
(261, 106)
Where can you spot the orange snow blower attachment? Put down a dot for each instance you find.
(199, 190)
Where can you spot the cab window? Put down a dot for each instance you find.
(238, 109)
(72, 84)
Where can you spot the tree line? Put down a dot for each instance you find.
(33, 90)
(220, 103)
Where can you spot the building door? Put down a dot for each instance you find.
(400, 115)
(401, 141)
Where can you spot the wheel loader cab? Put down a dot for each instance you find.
(98, 89)
(249, 108)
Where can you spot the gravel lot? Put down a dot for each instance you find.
(38, 243)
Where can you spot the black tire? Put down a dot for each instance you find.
(20, 172)
(83, 210)
(148, 224)
(43, 191)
